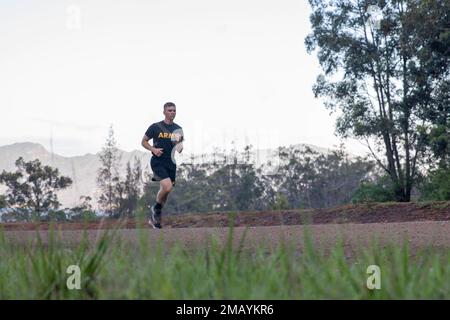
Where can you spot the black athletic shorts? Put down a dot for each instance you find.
(162, 169)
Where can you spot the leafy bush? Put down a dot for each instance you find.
(3, 203)
(380, 190)
(281, 202)
(436, 186)
(85, 215)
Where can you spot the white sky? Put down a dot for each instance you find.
(237, 70)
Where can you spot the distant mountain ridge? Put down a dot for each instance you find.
(83, 169)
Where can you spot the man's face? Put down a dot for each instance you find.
(170, 113)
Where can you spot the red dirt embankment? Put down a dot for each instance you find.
(361, 213)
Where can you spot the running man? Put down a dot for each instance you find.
(167, 138)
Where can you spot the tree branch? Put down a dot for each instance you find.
(375, 157)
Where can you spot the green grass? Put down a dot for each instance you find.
(116, 269)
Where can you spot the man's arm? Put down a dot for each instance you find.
(145, 143)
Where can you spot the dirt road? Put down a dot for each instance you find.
(419, 234)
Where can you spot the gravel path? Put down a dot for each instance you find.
(420, 234)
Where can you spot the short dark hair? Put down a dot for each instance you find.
(169, 104)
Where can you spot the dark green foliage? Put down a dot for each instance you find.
(3, 202)
(436, 185)
(224, 184)
(33, 186)
(18, 214)
(128, 191)
(281, 202)
(312, 180)
(55, 216)
(108, 176)
(83, 216)
(439, 140)
(235, 183)
(119, 196)
(380, 190)
(304, 178)
(83, 211)
(388, 82)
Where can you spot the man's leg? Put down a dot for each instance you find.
(161, 198)
(165, 187)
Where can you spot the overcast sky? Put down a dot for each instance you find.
(236, 69)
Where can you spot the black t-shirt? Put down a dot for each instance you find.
(163, 136)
